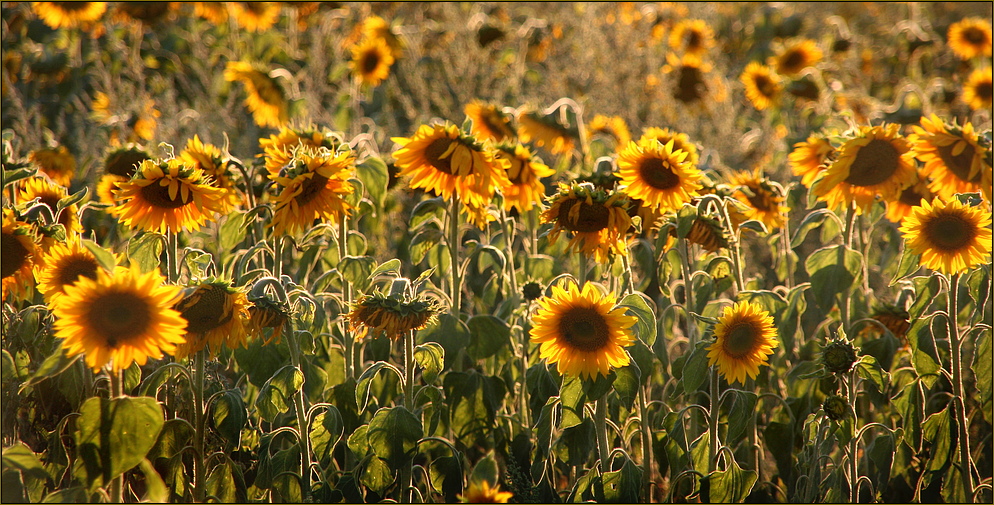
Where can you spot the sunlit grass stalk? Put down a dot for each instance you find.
(600, 428)
(301, 407)
(959, 401)
(456, 291)
(508, 227)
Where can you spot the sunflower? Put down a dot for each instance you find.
(265, 313)
(375, 27)
(138, 125)
(167, 196)
(545, 131)
(598, 219)
(870, 164)
(63, 265)
(706, 232)
(761, 198)
(49, 194)
(390, 315)
(278, 148)
(119, 318)
(745, 337)
(489, 122)
(55, 162)
(119, 166)
(970, 37)
(207, 157)
(371, 61)
(582, 332)
(979, 88)
(255, 16)
(525, 171)
(694, 36)
(481, 492)
(265, 98)
(20, 254)
(216, 314)
(910, 198)
(657, 174)
(68, 14)
(215, 12)
(441, 159)
(613, 127)
(950, 237)
(315, 187)
(809, 158)
(795, 58)
(680, 141)
(762, 85)
(138, 14)
(894, 318)
(953, 157)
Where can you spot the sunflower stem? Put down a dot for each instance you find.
(787, 250)
(854, 441)
(407, 472)
(172, 257)
(456, 293)
(600, 427)
(509, 245)
(844, 303)
(629, 286)
(956, 355)
(117, 391)
(713, 414)
(301, 407)
(733, 246)
(200, 458)
(688, 291)
(280, 243)
(647, 466)
(350, 358)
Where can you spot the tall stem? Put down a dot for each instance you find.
(853, 442)
(713, 415)
(280, 246)
(350, 358)
(456, 293)
(959, 398)
(200, 458)
(846, 298)
(647, 466)
(688, 291)
(172, 257)
(509, 246)
(296, 359)
(787, 250)
(733, 246)
(629, 278)
(407, 472)
(117, 391)
(600, 427)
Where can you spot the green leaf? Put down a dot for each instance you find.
(230, 234)
(910, 263)
(810, 222)
(156, 490)
(12, 176)
(685, 218)
(377, 475)
(938, 429)
(274, 397)
(572, 398)
(375, 176)
(103, 256)
(644, 358)
(146, 250)
(488, 335)
(430, 357)
(393, 435)
(261, 361)
(868, 368)
(326, 431)
(228, 416)
(54, 364)
(881, 456)
(425, 210)
(362, 386)
(20, 457)
(577, 443)
(623, 485)
(451, 333)
(392, 266)
(425, 240)
(358, 442)
(924, 356)
(982, 370)
(754, 225)
(357, 269)
(627, 382)
(7, 368)
(176, 434)
(741, 415)
(832, 270)
(474, 400)
(731, 485)
(221, 483)
(696, 370)
(485, 471)
(645, 326)
(446, 477)
(113, 436)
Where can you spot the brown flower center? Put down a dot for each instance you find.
(491, 121)
(311, 188)
(765, 85)
(975, 36)
(118, 317)
(145, 11)
(659, 175)
(73, 6)
(875, 163)
(14, 255)
(157, 195)
(76, 267)
(207, 312)
(760, 199)
(959, 164)
(434, 153)
(690, 85)
(740, 340)
(590, 218)
(949, 232)
(125, 163)
(910, 196)
(370, 61)
(584, 329)
(694, 40)
(984, 90)
(792, 61)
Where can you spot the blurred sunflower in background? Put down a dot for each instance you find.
(950, 237)
(613, 127)
(762, 85)
(49, 194)
(689, 72)
(68, 14)
(658, 174)
(810, 157)
(63, 265)
(953, 157)
(167, 196)
(207, 157)
(119, 319)
(489, 121)
(215, 12)
(278, 148)
(265, 313)
(481, 492)
(871, 164)
(545, 131)
(894, 318)
(255, 16)
(216, 314)
(55, 162)
(692, 36)
(597, 218)
(582, 332)
(314, 186)
(392, 316)
(139, 14)
(119, 166)
(706, 232)
(137, 126)
(792, 59)
(375, 27)
(978, 91)
(969, 38)
(265, 97)
(681, 141)
(910, 198)
(525, 172)
(20, 255)
(744, 340)
(764, 203)
(371, 61)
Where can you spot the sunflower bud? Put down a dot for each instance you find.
(835, 407)
(839, 356)
(532, 291)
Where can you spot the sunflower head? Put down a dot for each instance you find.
(489, 121)
(835, 407)
(910, 198)
(55, 162)
(545, 130)
(19, 253)
(255, 16)
(143, 13)
(762, 200)
(481, 492)
(810, 157)
(796, 57)
(598, 219)
(119, 319)
(693, 36)
(896, 319)
(744, 339)
(208, 158)
(216, 315)
(167, 195)
(278, 148)
(970, 37)
(582, 331)
(267, 313)
(658, 174)
(955, 158)
(314, 185)
(265, 97)
(950, 237)
(706, 232)
(371, 61)
(69, 14)
(689, 74)
(762, 85)
(48, 194)
(391, 314)
(532, 290)
(613, 127)
(63, 265)
(681, 142)
(525, 172)
(978, 92)
(838, 356)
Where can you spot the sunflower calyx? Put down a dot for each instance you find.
(836, 408)
(839, 355)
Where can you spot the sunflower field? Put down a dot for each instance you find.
(330, 252)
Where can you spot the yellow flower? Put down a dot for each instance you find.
(216, 314)
(265, 313)
(371, 61)
(394, 317)
(706, 232)
(167, 196)
(215, 12)
(680, 141)
(657, 174)
(597, 219)
(278, 148)
(118, 319)
(525, 171)
(796, 57)
(62, 266)
(870, 164)
(375, 27)
(265, 98)
(255, 16)
(19, 253)
(119, 166)
(69, 14)
(760, 197)
(314, 188)
(545, 131)
(690, 85)
(809, 158)
(910, 198)
(694, 36)
(56, 163)
(614, 127)
(979, 88)
(953, 157)
(481, 492)
(582, 332)
(950, 237)
(745, 337)
(762, 85)
(138, 14)
(138, 126)
(49, 194)
(489, 122)
(207, 157)
(970, 37)
(439, 158)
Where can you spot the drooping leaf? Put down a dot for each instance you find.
(731, 485)
(274, 397)
(393, 435)
(115, 435)
(430, 356)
